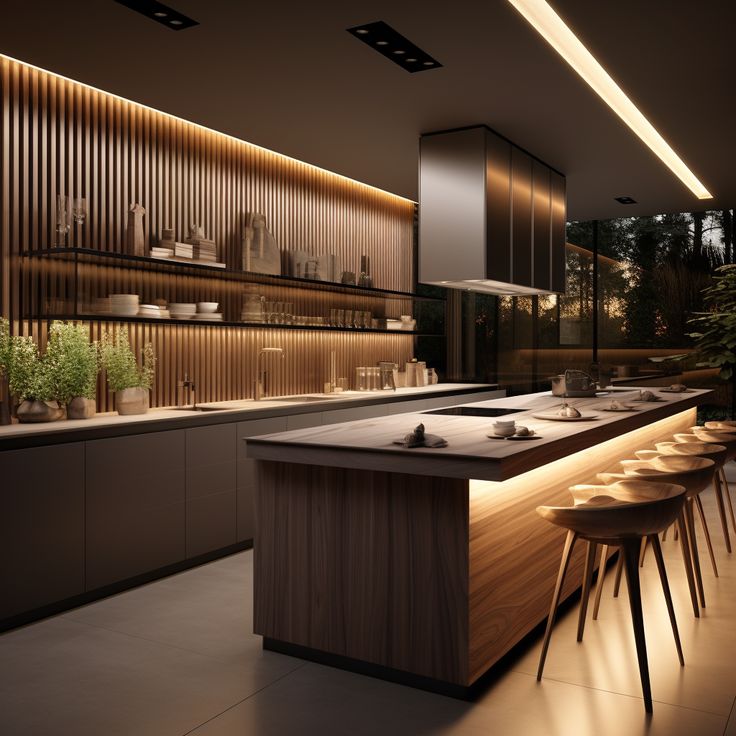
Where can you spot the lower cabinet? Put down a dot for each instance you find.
(136, 505)
(210, 488)
(41, 526)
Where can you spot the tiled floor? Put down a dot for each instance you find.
(177, 657)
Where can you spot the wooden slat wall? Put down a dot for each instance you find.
(57, 136)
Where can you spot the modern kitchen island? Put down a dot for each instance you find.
(425, 565)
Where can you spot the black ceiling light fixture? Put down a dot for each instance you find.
(163, 14)
(391, 44)
(625, 200)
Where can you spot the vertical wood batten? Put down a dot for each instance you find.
(59, 137)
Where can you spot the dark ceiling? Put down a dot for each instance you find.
(286, 75)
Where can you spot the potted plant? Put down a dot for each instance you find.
(74, 364)
(716, 336)
(31, 382)
(129, 381)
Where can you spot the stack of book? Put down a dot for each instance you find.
(159, 251)
(205, 250)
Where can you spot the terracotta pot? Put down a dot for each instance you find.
(132, 401)
(39, 411)
(81, 408)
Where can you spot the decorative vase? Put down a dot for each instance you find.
(32, 410)
(81, 408)
(132, 401)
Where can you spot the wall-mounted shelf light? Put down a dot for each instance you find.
(554, 30)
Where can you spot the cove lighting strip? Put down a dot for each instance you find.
(203, 127)
(553, 29)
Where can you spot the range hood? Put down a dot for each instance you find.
(491, 216)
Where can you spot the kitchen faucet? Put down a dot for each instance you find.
(188, 385)
(261, 374)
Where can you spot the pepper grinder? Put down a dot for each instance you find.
(365, 278)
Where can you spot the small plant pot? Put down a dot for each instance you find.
(32, 411)
(132, 401)
(81, 408)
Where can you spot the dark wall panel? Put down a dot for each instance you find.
(521, 217)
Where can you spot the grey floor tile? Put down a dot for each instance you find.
(208, 610)
(334, 703)
(63, 677)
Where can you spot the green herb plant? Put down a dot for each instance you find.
(72, 360)
(715, 339)
(29, 377)
(120, 364)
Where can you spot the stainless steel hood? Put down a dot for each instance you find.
(491, 216)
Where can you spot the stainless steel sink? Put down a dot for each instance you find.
(297, 399)
(200, 408)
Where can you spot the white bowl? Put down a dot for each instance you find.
(207, 307)
(183, 307)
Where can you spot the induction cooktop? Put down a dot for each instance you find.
(473, 411)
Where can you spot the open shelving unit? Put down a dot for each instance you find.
(64, 283)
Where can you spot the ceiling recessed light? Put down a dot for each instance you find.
(625, 200)
(553, 29)
(394, 46)
(154, 10)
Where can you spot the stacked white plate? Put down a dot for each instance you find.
(125, 305)
(209, 316)
(152, 310)
(182, 310)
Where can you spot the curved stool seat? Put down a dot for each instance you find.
(727, 440)
(620, 514)
(695, 474)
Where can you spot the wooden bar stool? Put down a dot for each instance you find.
(620, 514)
(695, 474)
(728, 440)
(716, 453)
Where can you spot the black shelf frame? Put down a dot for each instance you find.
(223, 323)
(163, 265)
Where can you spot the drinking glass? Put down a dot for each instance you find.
(79, 210)
(339, 318)
(348, 319)
(62, 220)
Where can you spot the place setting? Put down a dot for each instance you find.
(508, 430)
(566, 413)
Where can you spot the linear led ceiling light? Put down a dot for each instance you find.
(554, 30)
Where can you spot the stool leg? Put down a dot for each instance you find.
(664, 534)
(690, 525)
(630, 550)
(599, 582)
(587, 580)
(564, 562)
(727, 494)
(642, 551)
(721, 509)
(619, 569)
(701, 514)
(667, 595)
(688, 560)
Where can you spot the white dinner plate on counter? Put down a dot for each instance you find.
(556, 418)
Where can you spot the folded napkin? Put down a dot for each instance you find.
(418, 438)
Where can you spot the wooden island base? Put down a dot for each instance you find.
(432, 578)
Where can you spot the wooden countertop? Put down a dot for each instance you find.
(368, 444)
(17, 436)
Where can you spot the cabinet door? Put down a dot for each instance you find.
(135, 505)
(354, 413)
(41, 526)
(246, 471)
(210, 488)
